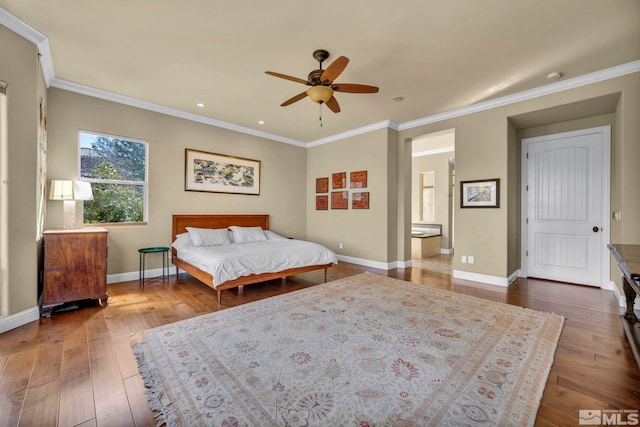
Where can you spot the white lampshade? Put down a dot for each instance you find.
(61, 190)
(70, 190)
(320, 94)
(82, 190)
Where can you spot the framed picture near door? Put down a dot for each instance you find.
(480, 194)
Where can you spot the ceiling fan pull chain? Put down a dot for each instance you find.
(320, 118)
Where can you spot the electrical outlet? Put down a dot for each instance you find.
(340, 245)
(463, 258)
(470, 259)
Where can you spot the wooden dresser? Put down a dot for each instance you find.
(75, 267)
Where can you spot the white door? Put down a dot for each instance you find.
(567, 203)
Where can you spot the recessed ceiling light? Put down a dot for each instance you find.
(397, 99)
(260, 122)
(200, 104)
(554, 76)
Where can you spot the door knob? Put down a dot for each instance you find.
(595, 229)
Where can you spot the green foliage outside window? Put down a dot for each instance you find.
(112, 202)
(116, 169)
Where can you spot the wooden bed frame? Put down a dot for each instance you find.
(180, 224)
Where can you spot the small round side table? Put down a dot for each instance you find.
(165, 256)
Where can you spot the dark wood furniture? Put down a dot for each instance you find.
(628, 259)
(180, 224)
(75, 267)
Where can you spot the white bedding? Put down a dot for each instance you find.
(228, 262)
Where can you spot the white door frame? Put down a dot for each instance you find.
(605, 131)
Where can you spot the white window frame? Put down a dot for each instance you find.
(144, 185)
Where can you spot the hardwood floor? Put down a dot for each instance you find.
(77, 368)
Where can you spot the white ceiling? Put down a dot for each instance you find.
(437, 54)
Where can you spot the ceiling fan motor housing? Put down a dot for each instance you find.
(314, 77)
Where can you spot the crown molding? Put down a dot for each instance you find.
(21, 28)
(46, 62)
(34, 36)
(434, 151)
(587, 79)
(121, 99)
(385, 124)
(42, 43)
(575, 82)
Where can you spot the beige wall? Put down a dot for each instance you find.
(364, 232)
(20, 69)
(439, 164)
(283, 171)
(487, 146)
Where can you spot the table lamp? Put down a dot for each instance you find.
(69, 191)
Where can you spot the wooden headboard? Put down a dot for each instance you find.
(181, 222)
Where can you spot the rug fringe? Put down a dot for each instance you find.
(165, 411)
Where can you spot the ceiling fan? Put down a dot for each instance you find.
(322, 82)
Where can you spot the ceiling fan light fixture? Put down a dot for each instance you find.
(320, 94)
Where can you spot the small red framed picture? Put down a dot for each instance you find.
(358, 179)
(340, 200)
(360, 200)
(322, 185)
(322, 203)
(339, 180)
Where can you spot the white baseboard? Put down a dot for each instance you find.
(622, 299)
(445, 251)
(372, 264)
(135, 275)
(375, 264)
(401, 264)
(609, 286)
(13, 321)
(484, 278)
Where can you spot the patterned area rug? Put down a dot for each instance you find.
(367, 350)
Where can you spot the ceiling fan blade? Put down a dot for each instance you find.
(353, 88)
(335, 69)
(296, 98)
(284, 76)
(333, 105)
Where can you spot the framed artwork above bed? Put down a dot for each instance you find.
(219, 173)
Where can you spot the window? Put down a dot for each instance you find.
(116, 167)
(428, 197)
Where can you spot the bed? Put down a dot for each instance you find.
(198, 271)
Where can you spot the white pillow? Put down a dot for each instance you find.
(247, 234)
(209, 236)
(182, 241)
(273, 236)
